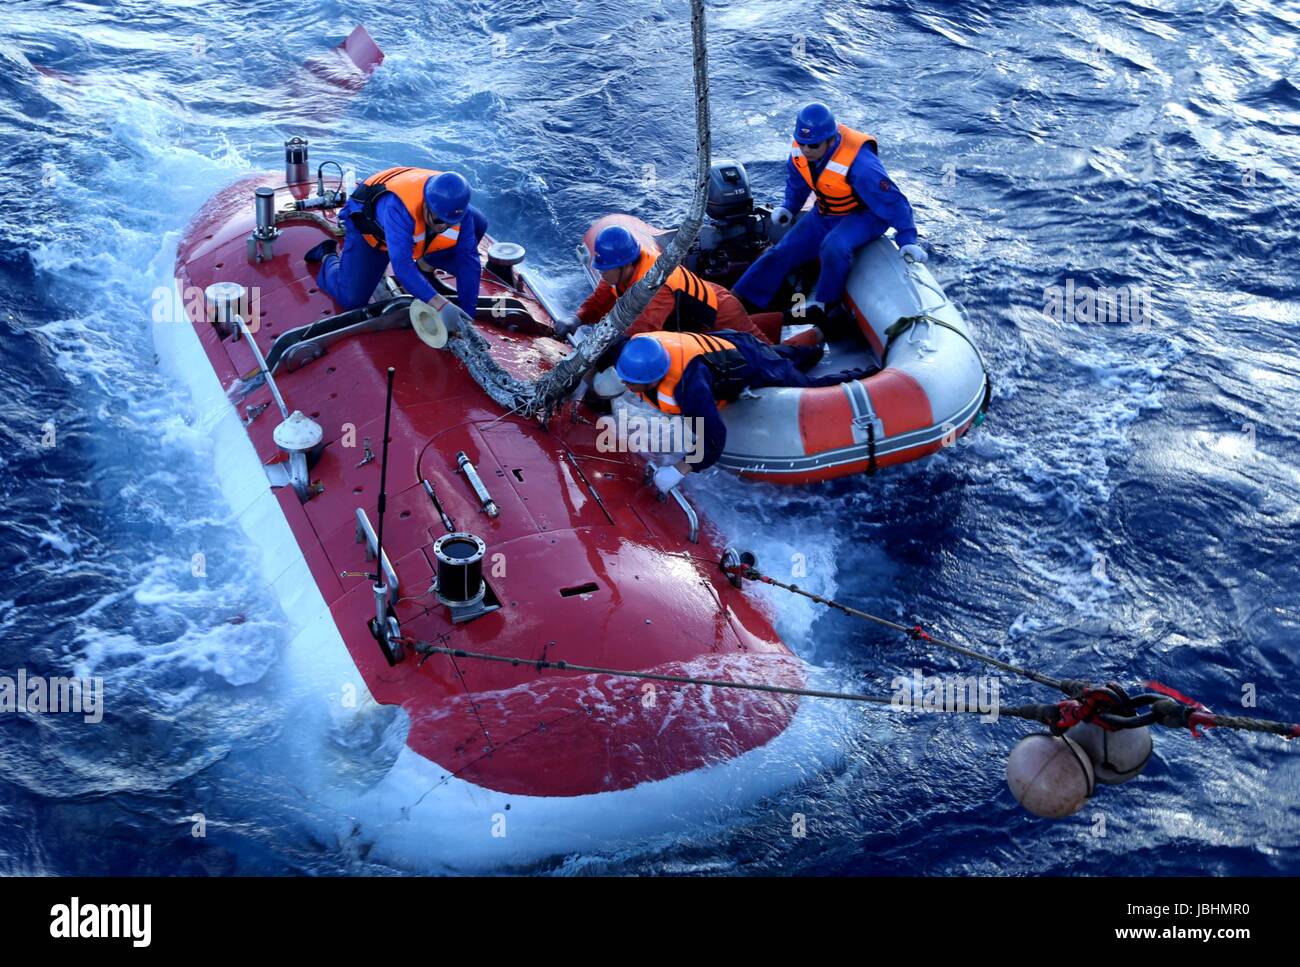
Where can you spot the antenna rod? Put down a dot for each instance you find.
(383, 483)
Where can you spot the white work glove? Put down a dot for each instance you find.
(914, 253)
(608, 385)
(581, 391)
(666, 478)
(782, 216)
(563, 327)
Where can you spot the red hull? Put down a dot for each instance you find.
(660, 602)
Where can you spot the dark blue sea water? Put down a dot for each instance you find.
(1131, 509)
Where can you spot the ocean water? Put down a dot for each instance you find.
(1130, 510)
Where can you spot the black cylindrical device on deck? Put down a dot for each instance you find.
(264, 206)
(296, 170)
(502, 257)
(460, 568)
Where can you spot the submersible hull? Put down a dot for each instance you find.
(584, 564)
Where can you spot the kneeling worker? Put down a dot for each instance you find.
(684, 303)
(695, 374)
(404, 216)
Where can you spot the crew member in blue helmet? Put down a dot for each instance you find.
(415, 218)
(684, 303)
(696, 374)
(856, 203)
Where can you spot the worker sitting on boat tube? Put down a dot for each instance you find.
(856, 203)
(695, 374)
(684, 303)
(415, 218)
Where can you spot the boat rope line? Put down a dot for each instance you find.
(908, 324)
(542, 664)
(1108, 706)
(1046, 714)
(913, 632)
(473, 705)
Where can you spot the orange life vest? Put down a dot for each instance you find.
(835, 196)
(408, 185)
(697, 303)
(683, 349)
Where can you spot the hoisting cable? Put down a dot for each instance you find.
(542, 396)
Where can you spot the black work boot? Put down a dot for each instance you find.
(317, 254)
(805, 314)
(816, 356)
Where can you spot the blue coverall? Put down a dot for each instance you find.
(766, 365)
(351, 277)
(835, 238)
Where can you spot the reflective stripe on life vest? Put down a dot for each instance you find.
(835, 196)
(443, 240)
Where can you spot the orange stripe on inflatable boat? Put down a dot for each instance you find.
(825, 419)
(900, 402)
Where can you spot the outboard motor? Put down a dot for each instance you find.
(735, 234)
(729, 195)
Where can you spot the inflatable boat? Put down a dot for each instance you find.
(929, 384)
(567, 557)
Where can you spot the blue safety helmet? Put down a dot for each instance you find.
(615, 247)
(643, 360)
(447, 196)
(814, 124)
